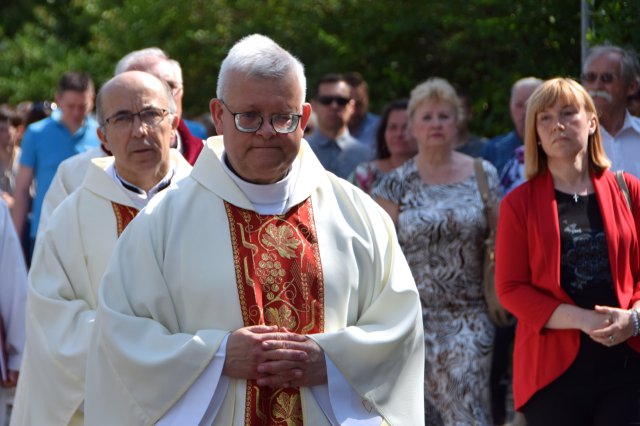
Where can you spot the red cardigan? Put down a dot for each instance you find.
(528, 273)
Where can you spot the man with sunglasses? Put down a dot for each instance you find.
(337, 150)
(137, 122)
(280, 297)
(610, 74)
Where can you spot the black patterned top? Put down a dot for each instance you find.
(585, 272)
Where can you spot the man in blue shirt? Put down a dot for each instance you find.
(331, 142)
(363, 124)
(48, 142)
(500, 149)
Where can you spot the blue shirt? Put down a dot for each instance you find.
(366, 133)
(340, 156)
(197, 129)
(499, 150)
(47, 143)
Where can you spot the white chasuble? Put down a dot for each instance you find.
(68, 178)
(170, 296)
(69, 261)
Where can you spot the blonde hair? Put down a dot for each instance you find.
(545, 96)
(438, 90)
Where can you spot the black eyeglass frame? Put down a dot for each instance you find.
(237, 116)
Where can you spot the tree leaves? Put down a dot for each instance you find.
(481, 46)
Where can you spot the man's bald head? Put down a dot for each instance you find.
(132, 79)
(136, 112)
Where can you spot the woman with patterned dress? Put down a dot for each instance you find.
(436, 205)
(9, 153)
(393, 147)
(568, 267)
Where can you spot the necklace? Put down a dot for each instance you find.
(575, 197)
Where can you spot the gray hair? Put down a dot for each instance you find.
(629, 67)
(259, 56)
(140, 59)
(177, 71)
(525, 82)
(171, 102)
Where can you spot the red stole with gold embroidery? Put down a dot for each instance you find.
(279, 279)
(124, 215)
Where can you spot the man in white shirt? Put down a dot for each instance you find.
(282, 298)
(610, 74)
(137, 122)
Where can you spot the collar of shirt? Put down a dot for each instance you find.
(343, 140)
(630, 122)
(138, 196)
(56, 116)
(268, 198)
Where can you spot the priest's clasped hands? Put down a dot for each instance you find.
(274, 357)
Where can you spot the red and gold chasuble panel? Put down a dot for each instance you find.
(124, 215)
(279, 279)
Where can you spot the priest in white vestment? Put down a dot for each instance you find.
(13, 298)
(70, 173)
(281, 297)
(68, 178)
(137, 120)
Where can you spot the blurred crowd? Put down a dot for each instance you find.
(419, 160)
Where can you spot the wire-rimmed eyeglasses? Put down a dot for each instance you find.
(150, 117)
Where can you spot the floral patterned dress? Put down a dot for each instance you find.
(441, 229)
(366, 176)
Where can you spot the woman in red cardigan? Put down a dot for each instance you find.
(568, 267)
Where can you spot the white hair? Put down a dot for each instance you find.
(140, 59)
(524, 82)
(259, 56)
(629, 67)
(177, 70)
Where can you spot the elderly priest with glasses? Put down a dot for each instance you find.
(137, 122)
(283, 297)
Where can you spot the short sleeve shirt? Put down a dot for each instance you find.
(47, 143)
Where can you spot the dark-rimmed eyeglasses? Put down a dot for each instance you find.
(592, 77)
(328, 100)
(150, 117)
(249, 122)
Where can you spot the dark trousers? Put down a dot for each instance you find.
(501, 372)
(602, 387)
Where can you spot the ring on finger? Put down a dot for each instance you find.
(611, 338)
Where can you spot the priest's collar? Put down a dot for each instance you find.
(268, 199)
(137, 195)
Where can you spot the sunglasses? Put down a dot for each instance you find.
(592, 77)
(328, 100)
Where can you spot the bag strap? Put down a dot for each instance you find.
(622, 184)
(483, 182)
(485, 194)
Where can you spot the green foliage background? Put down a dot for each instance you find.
(481, 46)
